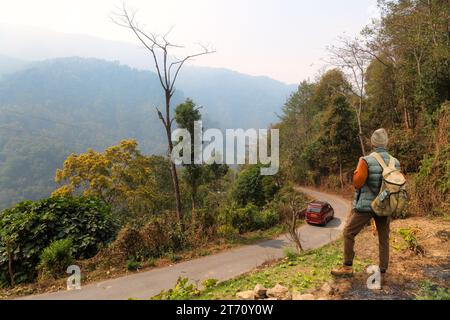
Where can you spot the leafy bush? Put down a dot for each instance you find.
(410, 238)
(248, 218)
(209, 283)
(240, 219)
(290, 253)
(227, 231)
(132, 265)
(408, 146)
(151, 262)
(266, 219)
(129, 245)
(430, 291)
(155, 237)
(29, 227)
(172, 256)
(252, 187)
(178, 239)
(244, 219)
(160, 237)
(432, 182)
(56, 258)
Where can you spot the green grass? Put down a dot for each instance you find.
(308, 270)
(430, 291)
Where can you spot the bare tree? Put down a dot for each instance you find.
(167, 68)
(292, 214)
(350, 56)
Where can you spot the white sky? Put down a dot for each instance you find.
(283, 39)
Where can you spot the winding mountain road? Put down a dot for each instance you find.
(221, 266)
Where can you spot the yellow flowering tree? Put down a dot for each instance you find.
(134, 185)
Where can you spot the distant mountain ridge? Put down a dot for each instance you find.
(238, 100)
(10, 65)
(224, 92)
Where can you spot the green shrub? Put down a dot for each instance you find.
(160, 237)
(227, 231)
(56, 258)
(129, 245)
(431, 291)
(172, 256)
(409, 236)
(29, 227)
(177, 238)
(248, 218)
(429, 187)
(252, 187)
(206, 217)
(209, 283)
(290, 253)
(243, 219)
(151, 262)
(266, 219)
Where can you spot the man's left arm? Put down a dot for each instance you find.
(361, 173)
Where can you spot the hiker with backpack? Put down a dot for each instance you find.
(379, 194)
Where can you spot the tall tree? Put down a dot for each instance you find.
(340, 135)
(296, 130)
(168, 68)
(185, 116)
(350, 56)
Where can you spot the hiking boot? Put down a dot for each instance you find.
(344, 271)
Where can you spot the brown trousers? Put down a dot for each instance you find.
(355, 224)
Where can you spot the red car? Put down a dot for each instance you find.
(319, 213)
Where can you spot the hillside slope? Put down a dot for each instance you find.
(62, 106)
(52, 108)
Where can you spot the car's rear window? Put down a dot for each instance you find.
(314, 209)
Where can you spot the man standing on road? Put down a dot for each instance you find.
(367, 180)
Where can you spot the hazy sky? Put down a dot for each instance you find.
(283, 39)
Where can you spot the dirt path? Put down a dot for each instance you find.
(221, 266)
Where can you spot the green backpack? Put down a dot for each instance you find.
(392, 199)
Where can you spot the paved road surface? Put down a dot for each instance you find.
(221, 266)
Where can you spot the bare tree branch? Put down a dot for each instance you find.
(353, 59)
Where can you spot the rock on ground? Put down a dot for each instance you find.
(246, 295)
(279, 292)
(298, 296)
